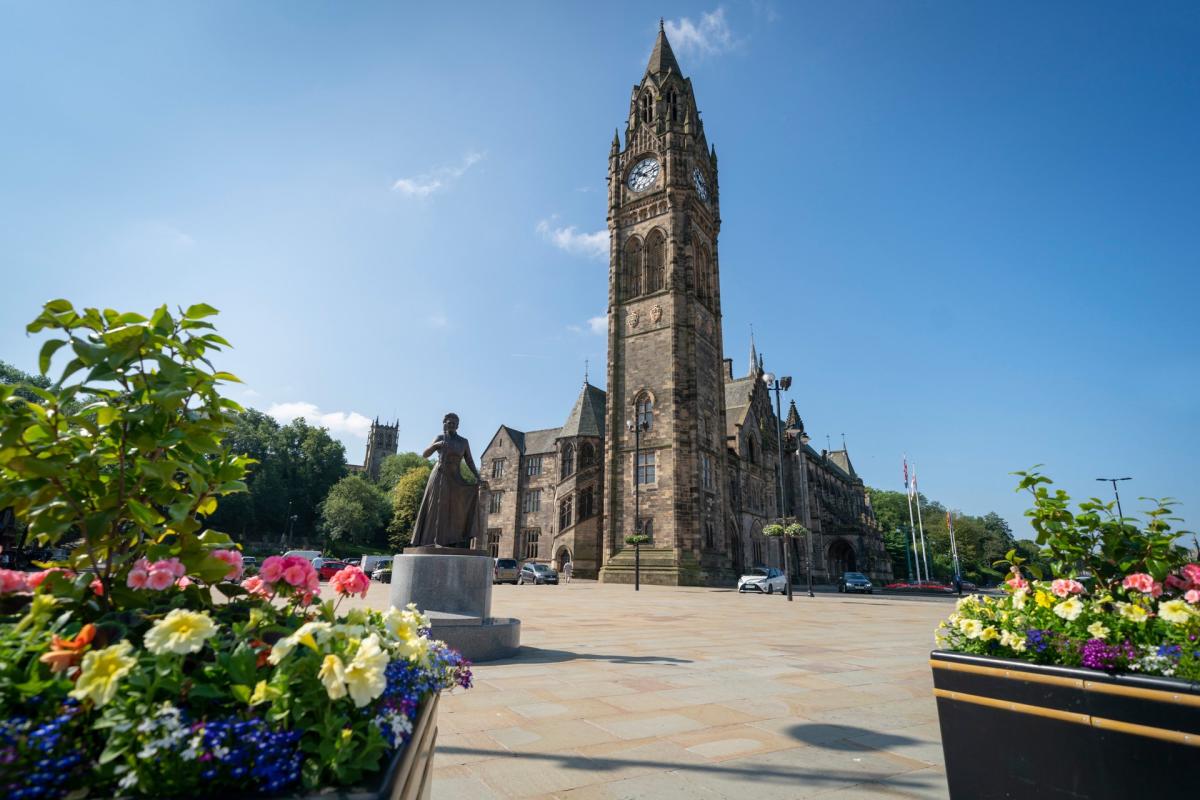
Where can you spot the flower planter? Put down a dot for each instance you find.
(1015, 729)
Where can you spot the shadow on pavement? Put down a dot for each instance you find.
(841, 737)
(538, 655)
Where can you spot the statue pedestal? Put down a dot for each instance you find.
(454, 587)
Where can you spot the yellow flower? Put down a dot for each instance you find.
(307, 634)
(181, 631)
(1013, 640)
(1044, 599)
(1069, 609)
(404, 625)
(988, 633)
(365, 674)
(333, 675)
(972, 628)
(100, 672)
(1176, 611)
(262, 693)
(1132, 612)
(1097, 630)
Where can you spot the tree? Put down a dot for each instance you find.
(355, 510)
(395, 467)
(406, 502)
(12, 376)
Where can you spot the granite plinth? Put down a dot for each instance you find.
(454, 588)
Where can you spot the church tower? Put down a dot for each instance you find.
(381, 442)
(664, 339)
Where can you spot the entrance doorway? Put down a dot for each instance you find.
(561, 559)
(841, 559)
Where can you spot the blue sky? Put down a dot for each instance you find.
(969, 231)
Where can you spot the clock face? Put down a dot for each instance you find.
(701, 186)
(643, 176)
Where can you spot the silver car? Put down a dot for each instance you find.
(765, 580)
(505, 571)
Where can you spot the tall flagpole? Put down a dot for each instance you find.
(954, 551)
(920, 524)
(911, 527)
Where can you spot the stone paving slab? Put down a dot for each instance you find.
(697, 693)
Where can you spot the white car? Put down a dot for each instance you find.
(765, 580)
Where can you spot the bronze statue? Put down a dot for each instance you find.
(449, 514)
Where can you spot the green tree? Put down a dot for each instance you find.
(406, 502)
(395, 467)
(355, 510)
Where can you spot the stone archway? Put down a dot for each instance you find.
(840, 558)
(561, 559)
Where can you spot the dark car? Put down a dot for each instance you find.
(855, 582)
(536, 573)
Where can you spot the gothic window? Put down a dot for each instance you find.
(583, 508)
(632, 277)
(587, 454)
(673, 104)
(498, 469)
(706, 471)
(647, 529)
(493, 535)
(704, 289)
(655, 259)
(564, 515)
(645, 412)
(750, 455)
(710, 534)
(533, 501)
(531, 536)
(758, 551)
(568, 461)
(494, 508)
(533, 465)
(645, 468)
(646, 107)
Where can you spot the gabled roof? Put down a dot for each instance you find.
(842, 459)
(738, 393)
(587, 417)
(538, 442)
(661, 58)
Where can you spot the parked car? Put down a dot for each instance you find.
(766, 580)
(505, 571)
(329, 568)
(382, 574)
(307, 555)
(855, 582)
(537, 573)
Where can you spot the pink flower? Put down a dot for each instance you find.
(1156, 589)
(13, 581)
(137, 578)
(295, 575)
(1065, 587)
(272, 569)
(255, 586)
(35, 580)
(159, 579)
(351, 580)
(97, 587)
(1192, 573)
(184, 582)
(1139, 581)
(1192, 596)
(1175, 582)
(306, 599)
(234, 559)
(171, 565)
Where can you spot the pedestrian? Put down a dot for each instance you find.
(567, 569)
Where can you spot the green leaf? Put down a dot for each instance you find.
(200, 311)
(59, 306)
(47, 352)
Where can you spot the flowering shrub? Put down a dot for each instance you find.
(140, 666)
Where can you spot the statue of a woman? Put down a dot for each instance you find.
(449, 514)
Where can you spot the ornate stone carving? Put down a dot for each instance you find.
(635, 317)
(656, 314)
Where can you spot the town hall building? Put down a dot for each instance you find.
(678, 448)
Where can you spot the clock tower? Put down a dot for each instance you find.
(665, 372)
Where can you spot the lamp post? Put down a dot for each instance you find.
(637, 428)
(779, 386)
(1117, 494)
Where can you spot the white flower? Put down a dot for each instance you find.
(1176, 611)
(1097, 630)
(333, 675)
(308, 634)
(972, 628)
(365, 676)
(1012, 640)
(1069, 609)
(1018, 599)
(180, 632)
(1133, 612)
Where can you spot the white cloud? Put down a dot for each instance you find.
(571, 240)
(440, 178)
(338, 422)
(598, 325)
(709, 37)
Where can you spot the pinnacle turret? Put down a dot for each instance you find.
(662, 60)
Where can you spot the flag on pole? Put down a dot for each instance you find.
(912, 487)
(905, 473)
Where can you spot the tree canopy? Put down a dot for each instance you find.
(355, 510)
(396, 466)
(406, 501)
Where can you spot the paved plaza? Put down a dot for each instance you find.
(697, 693)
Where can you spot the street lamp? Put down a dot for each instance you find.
(637, 537)
(1113, 481)
(779, 386)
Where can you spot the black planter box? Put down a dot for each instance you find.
(1015, 729)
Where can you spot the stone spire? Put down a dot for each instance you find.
(794, 423)
(662, 60)
(755, 364)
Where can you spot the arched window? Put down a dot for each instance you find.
(710, 534)
(585, 507)
(646, 105)
(703, 274)
(587, 455)
(673, 104)
(568, 461)
(655, 259)
(750, 449)
(633, 268)
(645, 411)
(564, 515)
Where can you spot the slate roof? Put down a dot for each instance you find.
(587, 417)
(540, 441)
(661, 58)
